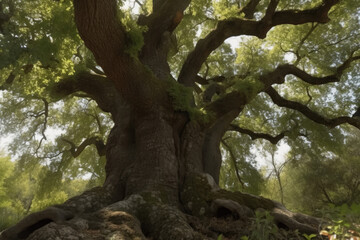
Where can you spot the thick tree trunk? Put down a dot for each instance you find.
(156, 178)
(155, 167)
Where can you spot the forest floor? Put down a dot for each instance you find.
(230, 228)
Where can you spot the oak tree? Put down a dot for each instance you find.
(154, 91)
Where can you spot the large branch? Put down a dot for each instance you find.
(97, 87)
(235, 27)
(76, 151)
(233, 101)
(314, 116)
(158, 37)
(278, 75)
(156, 4)
(296, 17)
(254, 135)
(166, 16)
(211, 155)
(250, 8)
(100, 28)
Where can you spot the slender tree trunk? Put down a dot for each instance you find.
(277, 170)
(280, 187)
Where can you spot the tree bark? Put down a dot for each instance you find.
(162, 165)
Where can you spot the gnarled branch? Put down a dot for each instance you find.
(76, 151)
(103, 33)
(254, 135)
(166, 16)
(97, 87)
(296, 17)
(250, 9)
(100, 28)
(158, 38)
(236, 26)
(312, 115)
(210, 91)
(233, 101)
(278, 75)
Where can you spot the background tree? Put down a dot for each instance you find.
(274, 174)
(239, 170)
(23, 191)
(324, 177)
(5, 202)
(152, 94)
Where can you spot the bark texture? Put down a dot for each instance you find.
(162, 165)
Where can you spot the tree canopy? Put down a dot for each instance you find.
(313, 66)
(247, 73)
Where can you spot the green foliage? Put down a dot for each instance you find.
(249, 86)
(182, 96)
(183, 100)
(21, 191)
(242, 156)
(320, 176)
(43, 35)
(134, 33)
(6, 167)
(55, 197)
(55, 152)
(309, 237)
(225, 9)
(42, 50)
(7, 212)
(263, 227)
(343, 220)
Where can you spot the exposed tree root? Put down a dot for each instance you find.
(212, 211)
(119, 220)
(296, 221)
(202, 198)
(34, 221)
(89, 201)
(158, 220)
